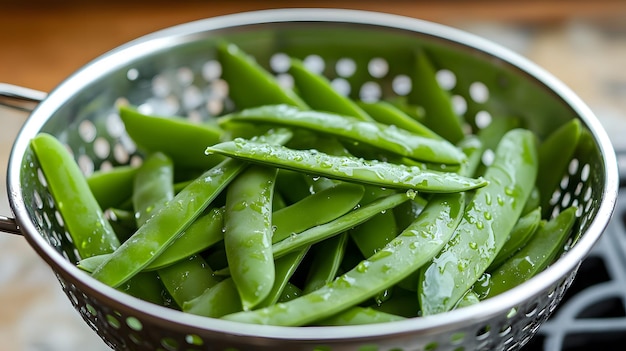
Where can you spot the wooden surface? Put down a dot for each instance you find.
(43, 42)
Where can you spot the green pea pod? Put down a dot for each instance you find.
(381, 136)
(320, 208)
(436, 102)
(187, 279)
(487, 222)
(406, 253)
(555, 155)
(147, 286)
(215, 302)
(248, 233)
(153, 186)
(111, 187)
(401, 302)
(123, 223)
(327, 257)
(534, 201)
(249, 84)
(374, 234)
(290, 292)
(351, 169)
(321, 232)
(470, 298)
(389, 114)
(285, 267)
(520, 234)
(82, 216)
(540, 252)
(186, 141)
(320, 95)
(358, 316)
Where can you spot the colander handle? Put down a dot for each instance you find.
(23, 99)
(20, 98)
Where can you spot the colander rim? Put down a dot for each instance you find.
(187, 31)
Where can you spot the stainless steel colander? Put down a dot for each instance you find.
(366, 55)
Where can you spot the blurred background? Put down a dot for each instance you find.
(583, 43)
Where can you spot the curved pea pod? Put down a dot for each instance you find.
(486, 224)
(523, 230)
(401, 302)
(153, 186)
(555, 155)
(374, 234)
(285, 267)
(359, 316)
(147, 286)
(533, 201)
(112, 187)
(319, 94)
(123, 223)
(82, 216)
(215, 302)
(187, 279)
(540, 252)
(249, 84)
(403, 255)
(347, 168)
(290, 292)
(470, 298)
(389, 114)
(389, 138)
(248, 233)
(327, 257)
(186, 141)
(439, 114)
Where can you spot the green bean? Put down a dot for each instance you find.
(317, 91)
(119, 178)
(358, 316)
(327, 257)
(337, 226)
(187, 279)
(215, 302)
(535, 256)
(388, 138)
(520, 234)
(389, 114)
(244, 75)
(555, 154)
(186, 140)
(347, 168)
(426, 92)
(487, 221)
(248, 233)
(403, 255)
(82, 216)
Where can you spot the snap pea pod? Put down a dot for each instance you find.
(187, 279)
(401, 302)
(555, 154)
(119, 178)
(215, 302)
(317, 91)
(153, 186)
(374, 234)
(534, 257)
(439, 114)
(147, 286)
(351, 169)
(487, 221)
(327, 257)
(337, 226)
(403, 255)
(533, 201)
(248, 233)
(358, 316)
(290, 292)
(185, 140)
(520, 234)
(389, 114)
(470, 298)
(285, 267)
(250, 84)
(123, 223)
(82, 216)
(381, 136)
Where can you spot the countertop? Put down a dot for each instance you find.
(582, 43)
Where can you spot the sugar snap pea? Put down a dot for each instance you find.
(215, 302)
(347, 168)
(389, 114)
(358, 316)
(327, 257)
(487, 221)
(317, 91)
(403, 255)
(250, 84)
(187, 279)
(285, 267)
(153, 186)
(248, 233)
(374, 234)
(82, 216)
(534, 257)
(523, 230)
(388, 138)
(119, 178)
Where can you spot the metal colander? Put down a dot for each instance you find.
(367, 56)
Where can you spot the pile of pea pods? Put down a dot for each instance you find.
(315, 209)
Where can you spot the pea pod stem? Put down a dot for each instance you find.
(385, 137)
(347, 168)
